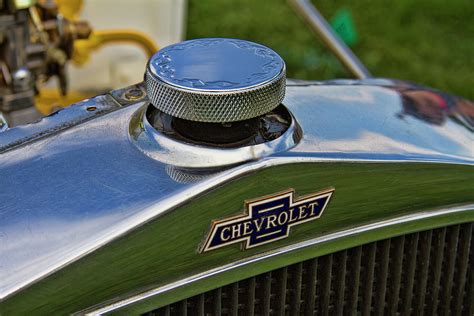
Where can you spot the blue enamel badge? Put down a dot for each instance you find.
(267, 219)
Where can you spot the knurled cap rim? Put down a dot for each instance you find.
(207, 103)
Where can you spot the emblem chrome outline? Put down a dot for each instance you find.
(249, 215)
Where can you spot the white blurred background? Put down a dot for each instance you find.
(116, 66)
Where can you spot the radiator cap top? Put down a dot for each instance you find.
(216, 80)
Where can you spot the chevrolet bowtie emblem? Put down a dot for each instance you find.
(266, 220)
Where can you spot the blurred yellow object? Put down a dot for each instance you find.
(50, 100)
(24, 4)
(70, 9)
(84, 48)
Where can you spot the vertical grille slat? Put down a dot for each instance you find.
(424, 273)
(354, 281)
(310, 289)
(295, 293)
(448, 274)
(382, 276)
(183, 308)
(468, 305)
(440, 238)
(266, 293)
(217, 306)
(341, 282)
(410, 267)
(395, 268)
(465, 244)
(200, 305)
(250, 302)
(234, 299)
(281, 285)
(326, 273)
(369, 279)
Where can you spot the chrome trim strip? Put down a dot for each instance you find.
(287, 249)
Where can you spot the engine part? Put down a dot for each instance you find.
(35, 44)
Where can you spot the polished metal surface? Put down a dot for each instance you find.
(58, 121)
(319, 26)
(216, 80)
(88, 219)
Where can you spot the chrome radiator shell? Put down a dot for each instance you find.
(91, 224)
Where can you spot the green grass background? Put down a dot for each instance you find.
(429, 42)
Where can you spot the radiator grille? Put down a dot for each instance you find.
(426, 273)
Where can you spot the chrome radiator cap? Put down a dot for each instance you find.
(216, 80)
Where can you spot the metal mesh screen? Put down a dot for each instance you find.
(428, 273)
